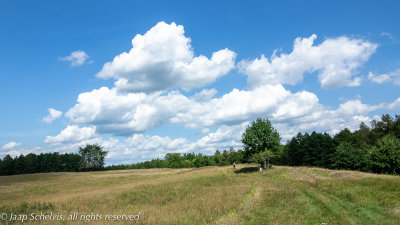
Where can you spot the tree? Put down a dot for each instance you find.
(217, 157)
(349, 157)
(8, 165)
(31, 162)
(258, 137)
(19, 164)
(294, 150)
(385, 156)
(262, 158)
(345, 136)
(173, 160)
(361, 135)
(92, 157)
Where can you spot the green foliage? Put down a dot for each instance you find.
(48, 162)
(345, 136)
(188, 160)
(7, 166)
(259, 136)
(316, 149)
(349, 157)
(385, 156)
(386, 126)
(173, 160)
(263, 158)
(361, 135)
(92, 157)
(374, 149)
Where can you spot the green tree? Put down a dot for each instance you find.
(361, 135)
(349, 157)
(217, 157)
(263, 158)
(31, 162)
(345, 136)
(199, 161)
(173, 160)
(92, 157)
(385, 156)
(8, 165)
(19, 165)
(258, 137)
(224, 158)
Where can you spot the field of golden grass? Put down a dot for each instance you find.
(210, 195)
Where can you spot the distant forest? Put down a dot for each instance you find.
(370, 149)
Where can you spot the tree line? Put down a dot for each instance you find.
(188, 160)
(371, 149)
(89, 158)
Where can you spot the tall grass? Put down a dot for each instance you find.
(210, 195)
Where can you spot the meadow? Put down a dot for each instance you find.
(208, 195)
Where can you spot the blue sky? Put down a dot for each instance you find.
(197, 73)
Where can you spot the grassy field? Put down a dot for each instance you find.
(211, 195)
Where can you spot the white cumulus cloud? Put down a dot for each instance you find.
(77, 58)
(10, 146)
(356, 107)
(126, 113)
(53, 114)
(72, 134)
(163, 58)
(393, 77)
(335, 59)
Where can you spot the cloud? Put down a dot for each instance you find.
(393, 77)
(10, 146)
(163, 58)
(77, 58)
(22, 151)
(72, 134)
(335, 59)
(205, 95)
(164, 144)
(382, 78)
(394, 105)
(53, 114)
(15, 149)
(386, 34)
(241, 105)
(126, 113)
(355, 107)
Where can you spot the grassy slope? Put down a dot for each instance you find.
(213, 195)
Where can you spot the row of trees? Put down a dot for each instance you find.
(32, 163)
(187, 160)
(89, 158)
(375, 149)
(371, 149)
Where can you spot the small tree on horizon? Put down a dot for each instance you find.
(92, 157)
(259, 137)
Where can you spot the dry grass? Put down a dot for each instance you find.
(210, 195)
